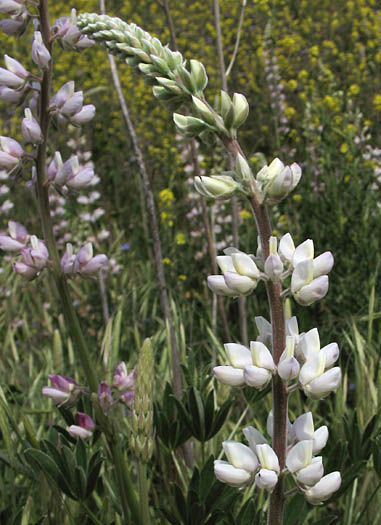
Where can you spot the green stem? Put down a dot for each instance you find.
(127, 493)
(143, 492)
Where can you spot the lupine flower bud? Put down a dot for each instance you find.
(265, 331)
(276, 181)
(189, 126)
(9, 244)
(240, 110)
(63, 389)
(273, 267)
(324, 488)
(266, 479)
(243, 169)
(26, 271)
(204, 111)
(320, 439)
(85, 426)
(15, 75)
(199, 75)
(228, 375)
(288, 366)
(216, 186)
(40, 54)
(31, 129)
(73, 104)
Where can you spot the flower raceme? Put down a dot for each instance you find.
(259, 462)
(302, 359)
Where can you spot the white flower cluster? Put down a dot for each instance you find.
(242, 272)
(259, 462)
(302, 359)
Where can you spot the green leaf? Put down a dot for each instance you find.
(296, 510)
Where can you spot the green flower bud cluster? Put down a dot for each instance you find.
(234, 111)
(142, 413)
(160, 67)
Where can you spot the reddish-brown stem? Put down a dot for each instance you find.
(279, 391)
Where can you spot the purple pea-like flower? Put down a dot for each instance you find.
(85, 426)
(63, 389)
(11, 7)
(84, 115)
(104, 396)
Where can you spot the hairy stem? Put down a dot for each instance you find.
(279, 391)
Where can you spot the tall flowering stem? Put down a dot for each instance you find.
(293, 357)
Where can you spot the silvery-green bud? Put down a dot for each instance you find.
(205, 113)
(189, 126)
(227, 111)
(187, 80)
(240, 109)
(216, 186)
(199, 76)
(170, 85)
(243, 169)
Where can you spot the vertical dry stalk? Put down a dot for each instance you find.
(150, 203)
(234, 203)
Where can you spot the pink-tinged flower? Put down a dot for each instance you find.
(40, 54)
(63, 390)
(11, 7)
(31, 129)
(85, 426)
(10, 153)
(122, 380)
(87, 265)
(68, 260)
(73, 104)
(104, 396)
(84, 115)
(37, 255)
(17, 238)
(15, 67)
(81, 179)
(13, 26)
(28, 272)
(68, 35)
(12, 96)
(127, 398)
(63, 94)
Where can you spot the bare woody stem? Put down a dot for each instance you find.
(279, 391)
